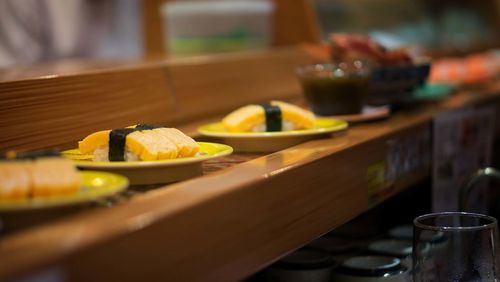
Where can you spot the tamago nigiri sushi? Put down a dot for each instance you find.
(142, 142)
(272, 116)
(42, 176)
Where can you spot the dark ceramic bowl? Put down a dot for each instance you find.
(392, 84)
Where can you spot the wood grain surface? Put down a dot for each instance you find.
(58, 111)
(215, 85)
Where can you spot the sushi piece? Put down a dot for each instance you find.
(268, 117)
(53, 176)
(138, 143)
(31, 155)
(15, 180)
(186, 146)
(37, 177)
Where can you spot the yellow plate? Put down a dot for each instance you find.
(154, 172)
(322, 126)
(271, 141)
(207, 150)
(95, 185)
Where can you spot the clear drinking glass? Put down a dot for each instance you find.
(455, 246)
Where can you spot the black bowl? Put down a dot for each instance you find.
(393, 84)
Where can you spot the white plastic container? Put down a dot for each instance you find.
(194, 27)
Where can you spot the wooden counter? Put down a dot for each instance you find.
(238, 217)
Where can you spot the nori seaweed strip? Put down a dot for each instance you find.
(117, 138)
(273, 117)
(141, 126)
(31, 155)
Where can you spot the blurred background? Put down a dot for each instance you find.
(34, 31)
(441, 24)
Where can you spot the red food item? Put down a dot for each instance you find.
(478, 68)
(472, 69)
(352, 46)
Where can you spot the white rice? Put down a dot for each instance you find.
(285, 125)
(101, 155)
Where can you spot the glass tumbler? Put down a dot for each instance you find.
(455, 246)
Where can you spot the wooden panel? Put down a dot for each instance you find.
(214, 85)
(152, 25)
(63, 67)
(295, 22)
(58, 111)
